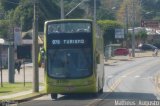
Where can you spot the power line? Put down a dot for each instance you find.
(75, 7)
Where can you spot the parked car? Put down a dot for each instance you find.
(121, 51)
(147, 47)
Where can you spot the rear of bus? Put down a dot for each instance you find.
(69, 57)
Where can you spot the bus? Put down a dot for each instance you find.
(74, 59)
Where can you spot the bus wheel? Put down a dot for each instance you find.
(53, 95)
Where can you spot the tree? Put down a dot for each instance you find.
(2, 14)
(9, 5)
(107, 10)
(108, 27)
(141, 36)
(4, 26)
(128, 4)
(21, 13)
(105, 14)
(151, 9)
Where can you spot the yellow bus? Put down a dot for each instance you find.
(74, 59)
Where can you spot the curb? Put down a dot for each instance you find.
(29, 98)
(14, 102)
(111, 61)
(25, 97)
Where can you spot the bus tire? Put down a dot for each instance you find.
(53, 95)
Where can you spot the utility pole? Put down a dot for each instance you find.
(62, 9)
(1, 66)
(35, 49)
(94, 13)
(11, 69)
(126, 12)
(133, 33)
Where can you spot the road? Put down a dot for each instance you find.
(133, 81)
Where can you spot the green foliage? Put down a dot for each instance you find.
(9, 5)
(108, 27)
(48, 10)
(151, 9)
(105, 14)
(90, 3)
(109, 24)
(74, 14)
(141, 35)
(20, 12)
(126, 10)
(4, 26)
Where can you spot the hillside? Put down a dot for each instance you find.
(21, 11)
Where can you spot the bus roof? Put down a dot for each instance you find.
(71, 20)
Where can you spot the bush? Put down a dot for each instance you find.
(108, 27)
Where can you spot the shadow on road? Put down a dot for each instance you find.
(106, 99)
(129, 95)
(110, 95)
(79, 97)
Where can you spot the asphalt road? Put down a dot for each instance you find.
(126, 83)
(131, 80)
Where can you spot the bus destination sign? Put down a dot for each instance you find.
(78, 41)
(68, 42)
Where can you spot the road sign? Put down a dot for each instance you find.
(119, 33)
(150, 23)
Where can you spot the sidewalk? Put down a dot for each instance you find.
(19, 77)
(115, 59)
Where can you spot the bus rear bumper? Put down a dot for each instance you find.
(71, 89)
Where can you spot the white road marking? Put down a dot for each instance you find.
(137, 76)
(124, 76)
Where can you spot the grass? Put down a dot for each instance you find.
(30, 95)
(8, 88)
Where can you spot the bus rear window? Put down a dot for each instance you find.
(69, 27)
(69, 63)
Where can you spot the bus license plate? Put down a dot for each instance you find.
(70, 88)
